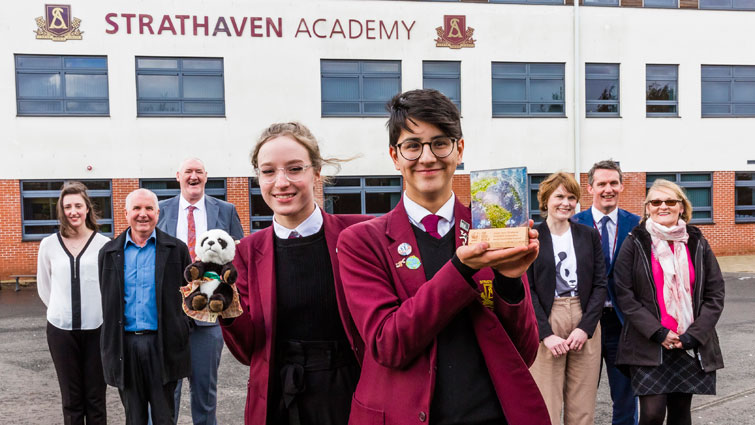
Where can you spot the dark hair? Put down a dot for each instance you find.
(550, 184)
(75, 188)
(607, 164)
(426, 105)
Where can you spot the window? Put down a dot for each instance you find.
(728, 4)
(168, 188)
(39, 199)
(363, 195)
(528, 89)
(698, 187)
(728, 91)
(358, 88)
(744, 204)
(601, 2)
(672, 4)
(61, 85)
(444, 77)
(261, 215)
(534, 182)
(179, 87)
(602, 89)
(661, 90)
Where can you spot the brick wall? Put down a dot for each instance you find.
(725, 236)
(16, 257)
(121, 189)
(237, 193)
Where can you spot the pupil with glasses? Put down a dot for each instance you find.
(670, 288)
(415, 290)
(296, 333)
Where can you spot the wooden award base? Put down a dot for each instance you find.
(508, 237)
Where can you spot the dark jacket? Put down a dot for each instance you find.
(591, 277)
(636, 292)
(171, 258)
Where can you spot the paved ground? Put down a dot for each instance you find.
(29, 391)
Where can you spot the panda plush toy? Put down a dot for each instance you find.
(212, 275)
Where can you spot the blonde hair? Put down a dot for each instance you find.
(550, 184)
(685, 215)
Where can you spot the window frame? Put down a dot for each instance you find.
(254, 189)
(55, 194)
(674, 103)
(360, 76)
(617, 102)
(701, 5)
(162, 194)
(62, 98)
(731, 79)
(611, 3)
(737, 206)
(527, 77)
(660, 5)
(688, 185)
(180, 99)
(363, 189)
(534, 187)
(441, 76)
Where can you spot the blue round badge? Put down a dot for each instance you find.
(413, 262)
(404, 249)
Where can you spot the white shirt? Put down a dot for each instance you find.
(566, 261)
(416, 213)
(200, 219)
(54, 278)
(611, 226)
(308, 227)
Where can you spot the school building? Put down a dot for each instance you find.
(117, 93)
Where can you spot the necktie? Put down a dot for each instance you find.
(431, 225)
(191, 237)
(604, 240)
(294, 235)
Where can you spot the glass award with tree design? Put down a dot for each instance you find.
(500, 207)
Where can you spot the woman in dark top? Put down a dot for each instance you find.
(568, 286)
(671, 291)
(296, 333)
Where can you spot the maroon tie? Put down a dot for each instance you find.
(294, 235)
(191, 236)
(431, 225)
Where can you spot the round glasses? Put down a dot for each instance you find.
(669, 202)
(441, 147)
(293, 173)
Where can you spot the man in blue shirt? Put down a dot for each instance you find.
(145, 333)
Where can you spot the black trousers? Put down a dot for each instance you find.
(143, 386)
(76, 356)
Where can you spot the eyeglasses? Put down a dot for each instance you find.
(293, 173)
(669, 202)
(441, 147)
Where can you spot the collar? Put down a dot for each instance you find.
(417, 212)
(308, 227)
(183, 203)
(598, 215)
(152, 237)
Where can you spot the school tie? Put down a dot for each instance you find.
(604, 240)
(294, 235)
(192, 233)
(431, 225)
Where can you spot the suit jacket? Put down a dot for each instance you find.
(251, 336)
(591, 277)
(626, 222)
(399, 314)
(220, 215)
(171, 258)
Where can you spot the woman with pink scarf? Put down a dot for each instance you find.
(670, 288)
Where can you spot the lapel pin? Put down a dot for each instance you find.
(413, 262)
(404, 249)
(401, 263)
(464, 225)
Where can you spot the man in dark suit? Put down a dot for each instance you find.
(605, 184)
(145, 334)
(187, 216)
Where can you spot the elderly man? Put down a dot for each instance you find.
(145, 334)
(186, 216)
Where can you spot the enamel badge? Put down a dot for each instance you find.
(413, 262)
(404, 249)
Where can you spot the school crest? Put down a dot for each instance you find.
(58, 24)
(487, 293)
(454, 33)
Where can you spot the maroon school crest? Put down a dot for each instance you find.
(58, 24)
(454, 33)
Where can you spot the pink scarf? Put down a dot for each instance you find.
(675, 265)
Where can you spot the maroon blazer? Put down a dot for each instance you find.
(251, 336)
(399, 315)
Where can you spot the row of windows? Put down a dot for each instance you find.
(78, 85)
(347, 195)
(672, 4)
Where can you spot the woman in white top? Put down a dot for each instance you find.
(68, 284)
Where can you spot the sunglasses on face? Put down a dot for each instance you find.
(668, 202)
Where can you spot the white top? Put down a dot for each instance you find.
(566, 263)
(55, 277)
(417, 212)
(200, 219)
(613, 217)
(308, 227)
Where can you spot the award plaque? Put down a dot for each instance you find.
(500, 207)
